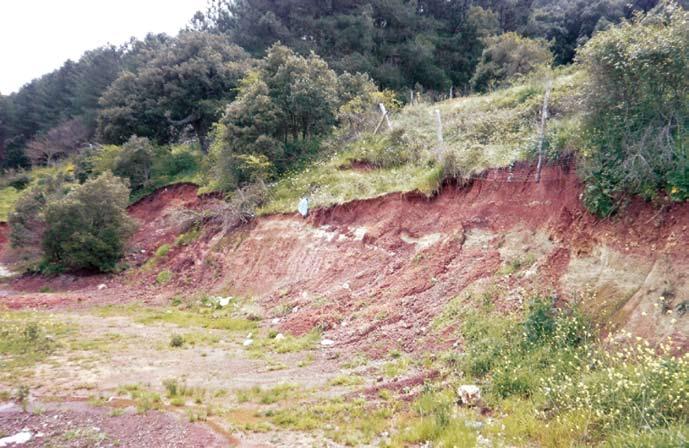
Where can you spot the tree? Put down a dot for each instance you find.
(88, 228)
(4, 127)
(570, 23)
(507, 56)
(65, 139)
(186, 84)
(281, 107)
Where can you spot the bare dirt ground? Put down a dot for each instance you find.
(375, 281)
(79, 425)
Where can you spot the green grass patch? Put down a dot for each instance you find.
(27, 339)
(162, 251)
(346, 380)
(289, 344)
(351, 422)
(163, 277)
(270, 395)
(435, 420)
(194, 317)
(144, 399)
(8, 197)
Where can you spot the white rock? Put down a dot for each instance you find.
(346, 286)
(279, 337)
(18, 439)
(275, 321)
(327, 342)
(248, 342)
(224, 301)
(469, 394)
(102, 286)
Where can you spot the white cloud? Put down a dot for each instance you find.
(37, 36)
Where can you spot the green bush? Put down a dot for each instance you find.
(88, 228)
(27, 221)
(172, 162)
(507, 57)
(638, 101)
(386, 151)
(176, 341)
(163, 277)
(135, 162)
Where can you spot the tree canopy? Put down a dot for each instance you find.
(186, 84)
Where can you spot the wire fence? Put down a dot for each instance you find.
(523, 171)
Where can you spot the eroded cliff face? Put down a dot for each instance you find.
(387, 272)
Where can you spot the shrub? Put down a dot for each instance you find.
(87, 228)
(386, 151)
(162, 250)
(540, 322)
(517, 355)
(18, 180)
(507, 57)
(176, 341)
(163, 277)
(638, 109)
(27, 221)
(174, 161)
(135, 162)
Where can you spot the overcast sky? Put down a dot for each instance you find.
(37, 36)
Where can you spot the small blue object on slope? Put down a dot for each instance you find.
(303, 207)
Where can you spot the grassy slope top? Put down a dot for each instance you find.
(483, 131)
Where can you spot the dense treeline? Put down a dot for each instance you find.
(73, 92)
(166, 88)
(435, 43)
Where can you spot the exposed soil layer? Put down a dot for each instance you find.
(377, 274)
(80, 425)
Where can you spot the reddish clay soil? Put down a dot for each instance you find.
(375, 274)
(73, 425)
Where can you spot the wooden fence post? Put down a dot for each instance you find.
(385, 114)
(541, 136)
(439, 132)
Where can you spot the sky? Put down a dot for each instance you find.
(37, 36)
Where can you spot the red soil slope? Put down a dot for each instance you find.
(377, 274)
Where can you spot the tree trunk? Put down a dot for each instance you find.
(202, 134)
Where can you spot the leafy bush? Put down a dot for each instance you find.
(386, 151)
(27, 221)
(176, 341)
(163, 277)
(135, 162)
(507, 57)
(87, 229)
(638, 103)
(174, 161)
(17, 179)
